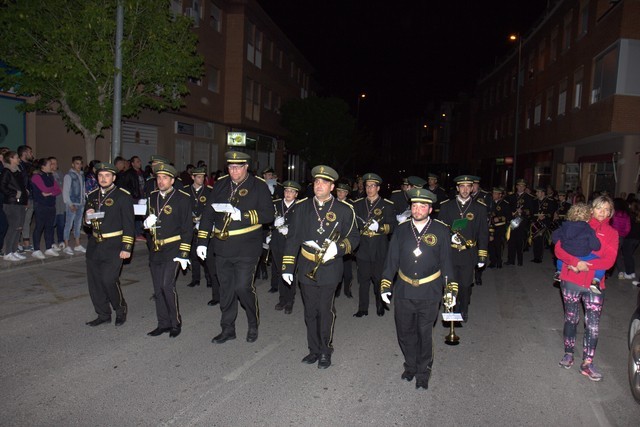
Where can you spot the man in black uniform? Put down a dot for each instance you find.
(151, 184)
(543, 209)
(375, 219)
(322, 230)
(283, 210)
(342, 193)
(170, 224)
(109, 213)
(478, 193)
(521, 204)
(199, 194)
(241, 205)
(467, 219)
(499, 217)
(440, 193)
(417, 266)
(400, 198)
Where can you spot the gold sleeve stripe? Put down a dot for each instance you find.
(127, 239)
(185, 246)
(202, 234)
(253, 214)
(483, 252)
(385, 285)
(386, 229)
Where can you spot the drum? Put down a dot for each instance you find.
(537, 228)
(515, 222)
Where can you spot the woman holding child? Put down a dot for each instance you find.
(577, 277)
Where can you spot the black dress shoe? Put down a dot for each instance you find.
(158, 331)
(272, 291)
(407, 376)
(121, 319)
(310, 358)
(347, 293)
(279, 306)
(288, 309)
(478, 282)
(98, 321)
(252, 335)
(174, 332)
(194, 283)
(361, 313)
(380, 311)
(223, 337)
(324, 361)
(424, 384)
(213, 302)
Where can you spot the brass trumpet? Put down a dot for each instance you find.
(154, 236)
(223, 234)
(450, 291)
(333, 237)
(365, 228)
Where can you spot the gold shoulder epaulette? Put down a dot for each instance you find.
(209, 187)
(389, 201)
(93, 191)
(481, 201)
(396, 191)
(261, 179)
(444, 201)
(126, 191)
(277, 200)
(185, 193)
(301, 200)
(357, 200)
(443, 223)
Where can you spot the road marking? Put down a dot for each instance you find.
(235, 374)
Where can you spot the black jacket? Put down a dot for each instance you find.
(10, 184)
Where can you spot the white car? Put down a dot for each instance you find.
(634, 352)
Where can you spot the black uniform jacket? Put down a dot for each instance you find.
(174, 227)
(116, 230)
(253, 199)
(418, 277)
(334, 215)
(476, 232)
(373, 245)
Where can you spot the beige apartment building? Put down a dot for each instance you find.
(250, 69)
(574, 120)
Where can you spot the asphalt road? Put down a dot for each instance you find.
(55, 371)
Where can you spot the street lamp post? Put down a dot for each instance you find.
(517, 37)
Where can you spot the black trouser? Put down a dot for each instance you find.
(163, 275)
(369, 271)
(516, 243)
(464, 275)
(104, 286)
(538, 246)
(196, 262)
(347, 274)
(414, 324)
(495, 247)
(210, 262)
(319, 316)
(236, 276)
(287, 292)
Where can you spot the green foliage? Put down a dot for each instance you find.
(321, 130)
(64, 53)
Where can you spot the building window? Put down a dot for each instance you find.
(529, 114)
(214, 80)
(537, 111)
(566, 31)
(583, 18)
(215, 16)
(270, 48)
(280, 58)
(577, 87)
(267, 100)
(532, 64)
(254, 45)
(605, 75)
(278, 103)
(541, 52)
(553, 45)
(195, 81)
(562, 97)
(252, 100)
(548, 105)
(193, 12)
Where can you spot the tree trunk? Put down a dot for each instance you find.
(90, 147)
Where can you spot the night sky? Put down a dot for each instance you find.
(402, 54)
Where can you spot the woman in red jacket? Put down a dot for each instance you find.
(576, 279)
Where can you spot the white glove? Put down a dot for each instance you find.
(288, 278)
(198, 225)
(150, 221)
(374, 226)
(265, 246)
(386, 297)
(455, 239)
(201, 251)
(267, 240)
(403, 216)
(184, 263)
(284, 230)
(312, 244)
(236, 215)
(142, 201)
(279, 222)
(480, 264)
(330, 253)
(449, 300)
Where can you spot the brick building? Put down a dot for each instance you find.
(250, 69)
(578, 116)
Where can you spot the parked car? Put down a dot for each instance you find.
(634, 352)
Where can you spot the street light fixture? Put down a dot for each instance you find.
(360, 97)
(518, 38)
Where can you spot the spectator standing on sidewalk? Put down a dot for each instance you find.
(3, 218)
(45, 189)
(90, 178)
(621, 222)
(74, 201)
(631, 241)
(26, 169)
(14, 205)
(60, 208)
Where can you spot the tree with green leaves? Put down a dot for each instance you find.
(61, 54)
(321, 130)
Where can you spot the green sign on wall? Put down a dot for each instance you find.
(12, 123)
